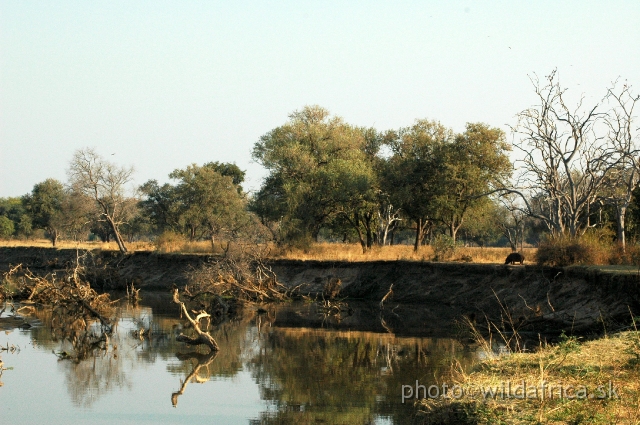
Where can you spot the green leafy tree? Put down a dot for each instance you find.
(475, 163)
(14, 210)
(25, 225)
(209, 202)
(270, 206)
(6, 227)
(413, 175)
(482, 224)
(318, 169)
(160, 205)
(231, 170)
(45, 206)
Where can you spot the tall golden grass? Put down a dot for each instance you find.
(323, 251)
(65, 244)
(353, 252)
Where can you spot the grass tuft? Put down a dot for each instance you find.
(595, 382)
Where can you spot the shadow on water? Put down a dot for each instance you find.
(306, 366)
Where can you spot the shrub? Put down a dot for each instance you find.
(631, 256)
(169, 241)
(443, 247)
(594, 247)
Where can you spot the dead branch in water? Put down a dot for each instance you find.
(204, 338)
(133, 294)
(387, 296)
(224, 284)
(67, 289)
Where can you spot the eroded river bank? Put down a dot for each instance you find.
(575, 299)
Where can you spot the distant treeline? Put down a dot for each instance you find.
(572, 169)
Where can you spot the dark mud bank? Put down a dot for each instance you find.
(575, 298)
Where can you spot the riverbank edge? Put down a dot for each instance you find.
(572, 298)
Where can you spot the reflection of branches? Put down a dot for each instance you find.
(88, 380)
(2, 369)
(203, 360)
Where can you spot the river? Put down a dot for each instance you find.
(279, 364)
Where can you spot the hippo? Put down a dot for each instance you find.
(514, 257)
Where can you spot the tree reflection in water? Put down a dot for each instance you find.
(344, 377)
(304, 375)
(97, 359)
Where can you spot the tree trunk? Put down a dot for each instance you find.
(453, 231)
(53, 236)
(621, 212)
(420, 224)
(368, 218)
(116, 234)
(356, 225)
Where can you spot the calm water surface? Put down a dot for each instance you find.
(288, 365)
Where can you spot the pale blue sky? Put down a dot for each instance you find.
(163, 84)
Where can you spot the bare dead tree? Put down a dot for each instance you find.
(388, 219)
(105, 183)
(623, 135)
(567, 160)
(512, 222)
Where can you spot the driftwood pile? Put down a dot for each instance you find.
(65, 290)
(78, 314)
(240, 274)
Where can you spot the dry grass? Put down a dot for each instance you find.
(353, 252)
(318, 251)
(199, 247)
(105, 246)
(591, 370)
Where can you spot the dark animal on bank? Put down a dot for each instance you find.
(514, 257)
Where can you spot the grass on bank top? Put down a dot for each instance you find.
(66, 244)
(596, 382)
(353, 252)
(323, 251)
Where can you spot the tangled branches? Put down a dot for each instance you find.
(67, 291)
(203, 338)
(240, 274)
(78, 314)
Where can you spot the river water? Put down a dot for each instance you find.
(284, 364)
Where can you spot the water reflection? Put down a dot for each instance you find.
(202, 361)
(302, 374)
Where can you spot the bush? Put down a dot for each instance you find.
(631, 256)
(594, 247)
(443, 247)
(169, 241)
